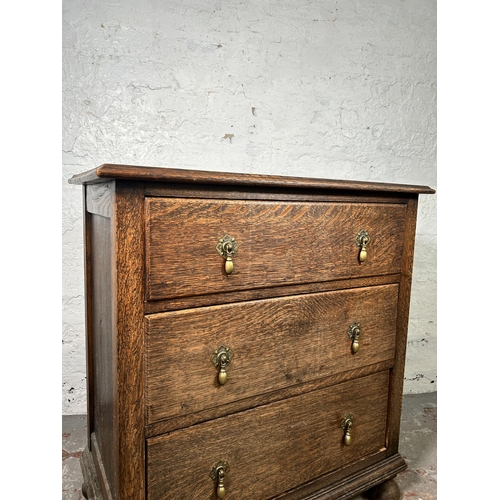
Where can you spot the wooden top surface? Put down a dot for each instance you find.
(174, 175)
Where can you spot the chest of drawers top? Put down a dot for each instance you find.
(243, 325)
(232, 180)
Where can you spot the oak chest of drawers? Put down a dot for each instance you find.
(246, 334)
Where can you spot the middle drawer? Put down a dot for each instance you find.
(271, 344)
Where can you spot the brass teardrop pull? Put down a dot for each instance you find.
(362, 240)
(353, 333)
(221, 491)
(221, 359)
(346, 424)
(227, 247)
(229, 265)
(218, 474)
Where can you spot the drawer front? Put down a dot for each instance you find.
(275, 343)
(273, 448)
(279, 243)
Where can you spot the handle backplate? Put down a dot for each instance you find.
(218, 474)
(227, 248)
(221, 359)
(353, 333)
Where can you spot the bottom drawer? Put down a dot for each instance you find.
(272, 448)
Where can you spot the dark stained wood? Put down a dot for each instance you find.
(364, 474)
(158, 303)
(280, 243)
(128, 289)
(295, 340)
(91, 488)
(388, 490)
(89, 335)
(247, 192)
(99, 199)
(115, 338)
(284, 444)
(265, 293)
(189, 419)
(102, 484)
(397, 376)
(103, 351)
(160, 174)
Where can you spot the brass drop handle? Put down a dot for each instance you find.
(223, 362)
(362, 240)
(218, 474)
(346, 424)
(227, 247)
(221, 491)
(221, 359)
(353, 333)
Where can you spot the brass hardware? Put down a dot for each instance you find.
(346, 424)
(227, 247)
(219, 471)
(221, 358)
(362, 240)
(353, 333)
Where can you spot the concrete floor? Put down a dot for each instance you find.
(417, 446)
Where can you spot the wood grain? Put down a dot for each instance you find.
(99, 199)
(249, 192)
(102, 474)
(186, 420)
(91, 487)
(128, 288)
(273, 448)
(345, 484)
(103, 350)
(178, 303)
(158, 303)
(279, 243)
(276, 343)
(397, 375)
(162, 174)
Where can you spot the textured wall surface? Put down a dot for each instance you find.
(334, 89)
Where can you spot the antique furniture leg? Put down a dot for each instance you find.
(90, 487)
(388, 490)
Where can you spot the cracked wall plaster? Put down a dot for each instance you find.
(332, 89)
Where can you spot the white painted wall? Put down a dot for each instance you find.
(333, 89)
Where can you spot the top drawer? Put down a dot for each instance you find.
(279, 243)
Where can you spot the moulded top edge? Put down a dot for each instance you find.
(175, 175)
